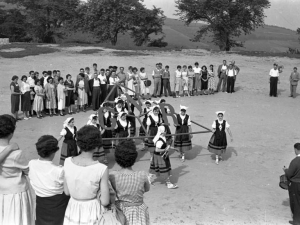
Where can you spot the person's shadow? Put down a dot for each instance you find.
(238, 88)
(227, 155)
(280, 91)
(178, 172)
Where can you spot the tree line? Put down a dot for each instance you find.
(50, 20)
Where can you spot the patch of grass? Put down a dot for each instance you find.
(123, 53)
(30, 49)
(90, 51)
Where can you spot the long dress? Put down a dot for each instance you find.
(61, 96)
(50, 93)
(130, 188)
(26, 97)
(15, 99)
(69, 146)
(153, 122)
(183, 142)
(82, 95)
(211, 80)
(130, 84)
(38, 103)
(70, 93)
(218, 141)
(16, 206)
(144, 122)
(160, 164)
(83, 183)
(103, 87)
(107, 144)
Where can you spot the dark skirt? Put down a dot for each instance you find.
(70, 98)
(218, 142)
(107, 144)
(183, 142)
(149, 143)
(15, 103)
(25, 101)
(160, 164)
(204, 85)
(68, 149)
(51, 210)
(96, 95)
(99, 153)
(114, 93)
(103, 94)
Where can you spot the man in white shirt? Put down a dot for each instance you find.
(230, 73)
(274, 80)
(157, 76)
(197, 79)
(31, 82)
(222, 76)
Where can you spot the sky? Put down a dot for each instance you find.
(283, 13)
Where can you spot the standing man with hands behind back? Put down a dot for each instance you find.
(294, 78)
(293, 175)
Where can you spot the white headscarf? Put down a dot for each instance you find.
(220, 112)
(121, 114)
(160, 130)
(148, 102)
(123, 97)
(183, 107)
(91, 119)
(67, 121)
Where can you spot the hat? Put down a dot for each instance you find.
(148, 102)
(183, 107)
(220, 112)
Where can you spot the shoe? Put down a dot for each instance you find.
(39, 117)
(150, 178)
(170, 185)
(182, 158)
(29, 117)
(26, 118)
(51, 115)
(62, 114)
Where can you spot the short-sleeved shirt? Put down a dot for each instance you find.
(274, 73)
(197, 70)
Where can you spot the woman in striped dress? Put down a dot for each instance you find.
(154, 120)
(218, 142)
(183, 142)
(38, 103)
(160, 162)
(130, 185)
(50, 91)
(211, 80)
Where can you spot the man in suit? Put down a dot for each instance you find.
(294, 78)
(222, 76)
(95, 91)
(293, 175)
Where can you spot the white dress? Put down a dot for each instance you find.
(130, 84)
(82, 95)
(83, 183)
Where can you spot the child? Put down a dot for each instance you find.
(144, 89)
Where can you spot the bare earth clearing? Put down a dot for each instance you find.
(243, 189)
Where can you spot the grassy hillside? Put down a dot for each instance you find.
(267, 38)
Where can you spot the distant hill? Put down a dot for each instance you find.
(267, 38)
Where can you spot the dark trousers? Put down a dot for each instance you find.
(293, 90)
(234, 82)
(273, 86)
(230, 84)
(166, 87)
(294, 194)
(222, 78)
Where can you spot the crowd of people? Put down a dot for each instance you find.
(52, 94)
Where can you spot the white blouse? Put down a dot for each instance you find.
(25, 87)
(103, 79)
(183, 117)
(177, 73)
(143, 76)
(159, 143)
(220, 122)
(197, 70)
(46, 178)
(113, 80)
(64, 131)
(155, 118)
(123, 123)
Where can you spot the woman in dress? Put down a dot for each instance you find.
(82, 90)
(16, 206)
(130, 185)
(122, 126)
(103, 85)
(25, 98)
(130, 80)
(204, 80)
(218, 141)
(185, 80)
(211, 80)
(47, 180)
(85, 180)
(69, 146)
(69, 84)
(61, 95)
(136, 82)
(50, 92)
(38, 103)
(154, 120)
(177, 81)
(15, 96)
(160, 162)
(146, 112)
(144, 77)
(111, 90)
(183, 142)
(191, 76)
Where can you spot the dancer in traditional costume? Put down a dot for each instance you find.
(146, 112)
(123, 126)
(218, 141)
(183, 142)
(69, 146)
(154, 120)
(47, 180)
(160, 162)
(107, 144)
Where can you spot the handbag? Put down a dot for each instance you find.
(147, 83)
(109, 218)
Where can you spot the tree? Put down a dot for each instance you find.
(47, 18)
(225, 19)
(106, 19)
(298, 32)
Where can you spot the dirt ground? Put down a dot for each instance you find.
(242, 189)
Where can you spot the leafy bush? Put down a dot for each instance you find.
(158, 43)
